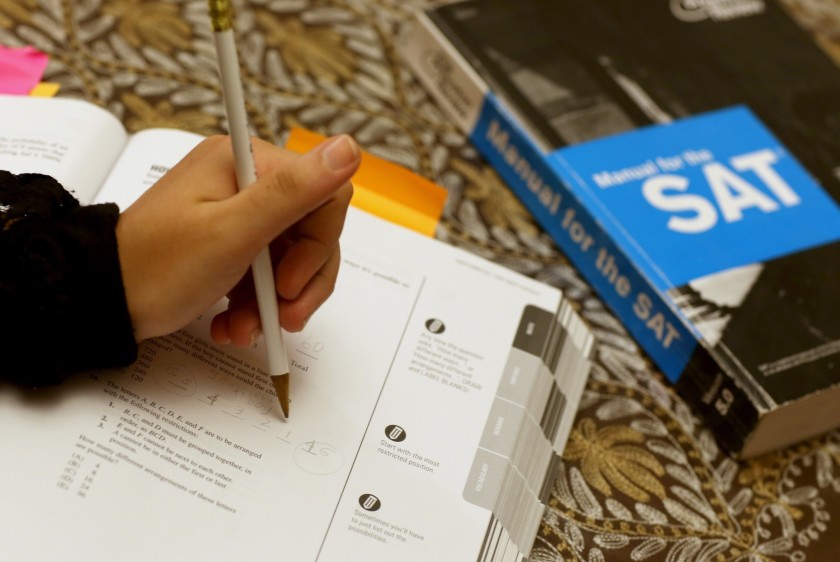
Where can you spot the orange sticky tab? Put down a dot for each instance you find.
(385, 189)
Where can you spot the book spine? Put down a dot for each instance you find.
(724, 405)
(582, 239)
(542, 188)
(453, 83)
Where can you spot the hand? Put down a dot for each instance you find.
(190, 239)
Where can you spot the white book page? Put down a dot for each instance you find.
(147, 156)
(185, 455)
(74, 141)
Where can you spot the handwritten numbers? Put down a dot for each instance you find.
(311, 347)
(318, 457)
(210, 399)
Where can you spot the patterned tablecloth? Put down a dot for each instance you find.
(642, 479)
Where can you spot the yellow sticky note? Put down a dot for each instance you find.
(385, 189)
(45, 89)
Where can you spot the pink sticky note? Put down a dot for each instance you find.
(21, 68)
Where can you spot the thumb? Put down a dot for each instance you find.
(291, 186)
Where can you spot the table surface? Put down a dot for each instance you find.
(642, 478)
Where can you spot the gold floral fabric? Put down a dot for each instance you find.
(642, 479)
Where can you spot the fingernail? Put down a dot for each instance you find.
(340, 153)
(255, 335)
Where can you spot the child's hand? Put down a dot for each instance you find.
(191, 238)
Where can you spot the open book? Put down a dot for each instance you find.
(86, 148)
(432, 395)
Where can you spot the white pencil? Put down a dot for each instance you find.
(221, 17)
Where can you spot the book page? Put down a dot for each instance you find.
(147, 156)
(186, 455)
(74, 141)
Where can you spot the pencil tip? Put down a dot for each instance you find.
(281, 387)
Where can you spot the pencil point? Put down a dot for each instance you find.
(281, 387)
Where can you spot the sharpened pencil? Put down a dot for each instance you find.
(221, 18)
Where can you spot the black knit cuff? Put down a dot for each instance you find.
(61, 291)
(96, 301)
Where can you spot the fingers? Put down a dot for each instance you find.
(296, 313)
(298, 205)
(288, 189)
(240, 323)
(311, 243)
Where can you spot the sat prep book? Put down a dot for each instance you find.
(707, 236)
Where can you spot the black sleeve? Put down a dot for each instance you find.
(61, 292)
